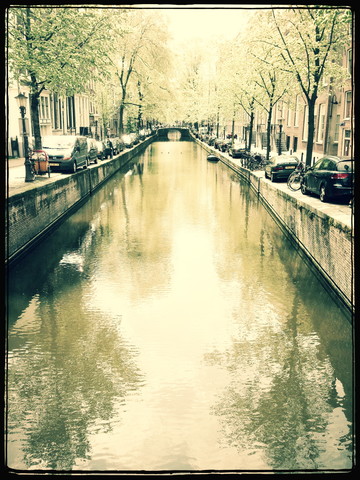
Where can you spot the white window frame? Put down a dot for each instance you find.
(321, 123)
(305, 125)
(347, 106)
(296, 111)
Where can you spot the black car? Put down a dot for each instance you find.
(237, 150)
(211, 140)
(135, 138)
(118, 145)
(101, 150)
(92, 155)
(109, 148)
(280, 167)
(127, 140)
(330, 177)
(218, 143)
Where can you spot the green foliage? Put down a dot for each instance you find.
(57, 48)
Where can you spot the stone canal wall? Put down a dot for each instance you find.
(35, 212)
(325, 243)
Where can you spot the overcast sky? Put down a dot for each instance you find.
(206, 21)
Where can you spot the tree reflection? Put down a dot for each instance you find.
(73, 380)
(283, 405)
(69, 369)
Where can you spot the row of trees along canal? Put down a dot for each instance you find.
(127, 55)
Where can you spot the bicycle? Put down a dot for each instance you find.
(294, 181)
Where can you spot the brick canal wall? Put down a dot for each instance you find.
(35, 212)
(325, 243)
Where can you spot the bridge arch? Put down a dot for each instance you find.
(165, 133)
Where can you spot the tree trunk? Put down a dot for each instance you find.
(121, 118)
(34, 113)
(268, 133)
(310, 139)
(233, 129)
(251, 129)
(141, 96)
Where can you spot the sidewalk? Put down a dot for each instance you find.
(15, 177)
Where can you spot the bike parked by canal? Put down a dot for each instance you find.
(296, 177)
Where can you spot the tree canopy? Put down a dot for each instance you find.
(126, 52)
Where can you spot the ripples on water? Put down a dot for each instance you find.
(171, 326)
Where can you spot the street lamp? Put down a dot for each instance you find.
(21, 100)
(280, 134)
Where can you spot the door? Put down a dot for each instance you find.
(82, 142)
(320, 174)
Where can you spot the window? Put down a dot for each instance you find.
(56, 109)
(70, 113)
(348, 100)
(321, 124)
(318, 164)
(305, 127)
(347, 143)
(296, 112)
(349, 60)
(44, 112)
(325, 164)
(288, 122)
(295, 144)
(337, 127)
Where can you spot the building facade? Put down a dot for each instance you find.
(58, 115)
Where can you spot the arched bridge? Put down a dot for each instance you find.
(172, 133)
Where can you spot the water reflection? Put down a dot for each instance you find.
(171, 325)
(283, 398)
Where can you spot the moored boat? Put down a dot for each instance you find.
(213, 158)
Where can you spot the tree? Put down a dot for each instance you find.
(55, 48)
(139, 47)
(309, 40)
(265, 65)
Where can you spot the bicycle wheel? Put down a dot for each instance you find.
(294, 181)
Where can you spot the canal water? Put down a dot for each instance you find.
(170, 325)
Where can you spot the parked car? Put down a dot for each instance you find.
(135, 138)
(218, 142)
(280, 167)
(211, 140)
(237, 150)
(92, 151)
(222, 144)
(109, 148)
(118, 145)
(226, 145)
(66, 152)
(330, 177)
(100, 145)
(128, 141)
